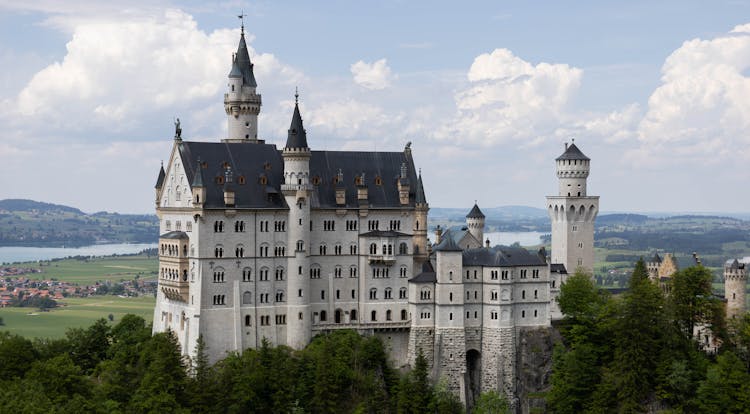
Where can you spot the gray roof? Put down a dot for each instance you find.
(177, 235)
(558, 268)
(448, 245)
(297, 137)
(428, 274)
(235, 72)
(475, 212)
(256, 162)
(572, 153)
(421, 199)
(160, 178)
(501, 256)
(656, 258)
(198, 177)
(244, 64)
(385, 233)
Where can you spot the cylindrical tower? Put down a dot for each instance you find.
(475, 224)
(735, 284)
(297, 190)
(241, 102)
(572, 172)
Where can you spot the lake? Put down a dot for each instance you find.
(13, 254)
(525, 238)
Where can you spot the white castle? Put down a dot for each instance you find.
(259, 243)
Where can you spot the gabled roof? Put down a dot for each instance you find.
(572, 153)
(297, 137)
(656, 258)
(428, 274)
(254, 163)
(160, 179)
(501, 256)
(448, 245)
(475, 212)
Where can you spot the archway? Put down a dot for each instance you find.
(473, 376)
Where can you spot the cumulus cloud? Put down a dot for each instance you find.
(701, 105)
(374, 76)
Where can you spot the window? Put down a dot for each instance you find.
(322, 249)
(353, 249)
(265, 320)
(523, 313)
(337, 249)
(402, 271)
(373, 248)
(300, 246)
(337, 272)
(315, 272)
(374, 316)
(425, 294)
(219, 300)
(239, 251)
(388, 315)
(504, 274)
(403, 249)
(247, 298)
(329, 225)
(403, 314)
(338, 294)
(168, 225)
(263, 298)
(353, 315)
(219, 252)
(279, 251)
(523, 274)
(264, 274)
(395, 225)
(279, 273)
(373, 293)
(523, 294)
(493, 315)
(279, 296)
(247, 320)
(424, 314)
(188, 226)
(388, 293)
(263, 250)
(263, 226)
(536, 295)
(299, 293)
(493, 274)
(535, 274)
(373, 225)
(280, 319)
(402, 293)
(239, 226)
(353, 271)
(354, 293)
(218, 226)
(323, 316)
(218, 275)
(351, 225)
(279, 226)
(493, 295)
(322, 295)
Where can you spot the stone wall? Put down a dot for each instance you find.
(498, 360)
(421, 338)
(534, 367)
(450, 353)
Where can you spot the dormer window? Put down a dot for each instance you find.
(316, 180)
(358, 180)
(378, 180)
(267, 166)
(263, 180)
(220, 180)
(241, 179)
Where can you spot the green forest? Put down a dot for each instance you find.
(637, 352)
(124, 369)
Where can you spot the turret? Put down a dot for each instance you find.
(297, 191)
(241, 102)
(159, 183)
(199, 189)
(572, 171)
(475, 223)
(735, 283)
(420, 222)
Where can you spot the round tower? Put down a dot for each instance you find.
(297, 191)
(241, 102)
(475, 223)
(735, 283)
(572, 172)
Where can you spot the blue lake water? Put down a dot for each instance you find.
(525, 238)
(13, 254)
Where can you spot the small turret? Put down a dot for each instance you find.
(572, 171)
(228, 187)
(735, 283)
(159, 183)
(403, 186)
(475, 223)
(241, 102)
(199, 189)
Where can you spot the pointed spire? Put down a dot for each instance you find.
(297, 137)
(420, 199)
(198, 177)
(572, 153)
(242, 60)
(160, 179)
(475, 212)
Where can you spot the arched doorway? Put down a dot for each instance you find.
(338, 315)
(473, 376)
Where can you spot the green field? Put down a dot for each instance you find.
(78, 312)
(88, 271)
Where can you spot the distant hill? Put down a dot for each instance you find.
(34, 223)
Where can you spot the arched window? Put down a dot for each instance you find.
(353, 315)
(388, 315)
(373, 248)
(403, 249)
(403, 314)
(374, 316)
(323, 316)
(247, 298)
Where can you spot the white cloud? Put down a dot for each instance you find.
(700, 112)
(375, 76)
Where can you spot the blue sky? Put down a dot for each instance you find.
(656, 93)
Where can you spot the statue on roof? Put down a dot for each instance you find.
(177, 129)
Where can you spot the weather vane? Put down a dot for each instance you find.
(242, 16)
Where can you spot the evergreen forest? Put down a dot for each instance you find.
(638, 353)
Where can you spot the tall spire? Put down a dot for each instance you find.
(160, 178)
(420, 199)
(297, 137)
(198, 177)
(242, 58)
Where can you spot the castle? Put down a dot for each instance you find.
(260, 243)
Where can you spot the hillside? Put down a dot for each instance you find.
(33, 223)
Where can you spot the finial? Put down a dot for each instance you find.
(242, 16)
(475, 201)
(573, 140)
(162, 163)
(296, 95)
(420, 172)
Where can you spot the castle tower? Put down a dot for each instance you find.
(652, 266)
(475, 223)
(735, 283)
(420, 224)
(297, 191)
(572, 213)
(241, 102)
